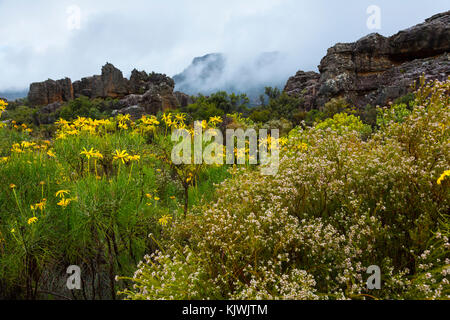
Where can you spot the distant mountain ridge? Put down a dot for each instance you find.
(195, 78)
(13, 94)
(220, 72)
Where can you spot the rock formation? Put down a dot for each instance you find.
(110, 83)
(157, 97)
(183, 99)
(304, 84)
(375, 69)
(149, 92)
(50, 91)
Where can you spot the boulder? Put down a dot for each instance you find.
(157, 98)
(304, 84)
(183, 99)
(46, 114)
(91, 87)
(114, 84)
(135, 112)
(139, 81)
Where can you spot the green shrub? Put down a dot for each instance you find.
(84, 107)
(261, 116)
(342, 122)
(22, 115)
(218, 104)
(407, 99)
(335, 106)
(397, 113)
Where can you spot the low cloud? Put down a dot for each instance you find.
(164, 36)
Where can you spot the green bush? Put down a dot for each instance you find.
(22, 115)
(342, 122)
(202, 110)
(84, 107)
(335, 106)
(408, 99)
(261, 116)
(280, 105)
(397, 113)
(218, 104)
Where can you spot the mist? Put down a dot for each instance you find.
(236, 73)
(37, 40)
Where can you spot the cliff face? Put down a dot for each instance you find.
(110, 83)
(50, 91)
(375, 69)
(149, 93)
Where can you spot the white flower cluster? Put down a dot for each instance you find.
(337, 206)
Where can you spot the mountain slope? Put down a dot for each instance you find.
(221, 72)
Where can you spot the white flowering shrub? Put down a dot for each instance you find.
(339, 204)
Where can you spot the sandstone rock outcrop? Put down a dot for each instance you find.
(375, 69)
(150, 92)
(46, 115)
(110, 83)
(135, 112)
(183, 99)
(50, 91)
(304, 84)
(158, 97)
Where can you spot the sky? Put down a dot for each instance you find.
(58, 38)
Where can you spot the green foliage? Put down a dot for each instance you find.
(22, 115)
(280, 105)
(369, 115)
(8, 138)
(397, 113)
(335, 106)
(84, 107)
(272, 93)
(408, 100)
(261, 116)
(284, 126)
(218, 104)
(203, 109)
(343, 122)
(108, 207)
(314, 116)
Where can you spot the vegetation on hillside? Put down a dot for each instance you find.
(355, 188)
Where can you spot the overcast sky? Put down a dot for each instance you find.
(41, 39)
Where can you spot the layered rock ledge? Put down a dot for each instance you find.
(376, 69)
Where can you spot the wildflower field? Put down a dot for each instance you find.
(103, 194)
